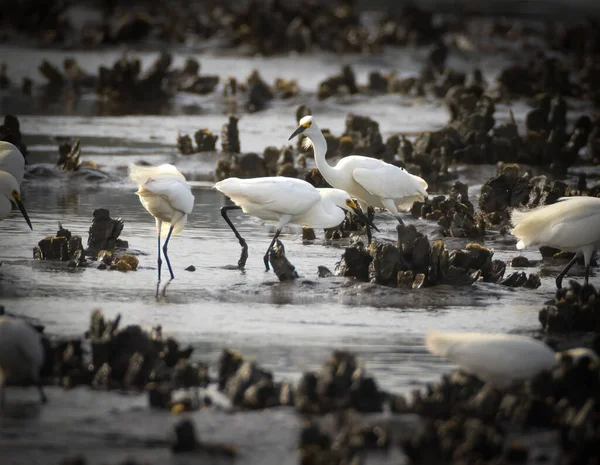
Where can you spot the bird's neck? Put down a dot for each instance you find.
(330, 173)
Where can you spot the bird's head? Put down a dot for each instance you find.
(346, 203)
(9, 188)
(307, 127)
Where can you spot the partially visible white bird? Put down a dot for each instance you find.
(372, 182)
(571, 224)
(21, 355)
(167, 196)
(12, 161)
(11, 192)
(285, 200)
(500, 359)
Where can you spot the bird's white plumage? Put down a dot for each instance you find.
(287, 200)
(165, 193)
(8, 184)
(373, 182)
(12, 161)
(271, 197)
(571, 224)
(21, 351)
(500, 359)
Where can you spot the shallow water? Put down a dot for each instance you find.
(288, 327)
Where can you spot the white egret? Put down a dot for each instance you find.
(500, 359)
(11, 192)
(287, 201)
(372, 182)
(12, 161)
(167, 196)
(571, 224)
(21, 355)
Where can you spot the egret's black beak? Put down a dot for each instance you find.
(299, 130)
(22, 208)
(365, 218)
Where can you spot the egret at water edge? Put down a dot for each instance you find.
(571, 224)
(10, 193)
(287, 201)
(167, 196)
(372, 182)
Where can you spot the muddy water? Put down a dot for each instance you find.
(289, 328)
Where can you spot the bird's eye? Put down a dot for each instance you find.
(307, 124)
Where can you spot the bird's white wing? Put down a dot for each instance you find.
(141, 174)
(503, 361)
(279, 194)
(177, 191)
(498, 358)
(390, 182)
(571, 223)
(12, 161)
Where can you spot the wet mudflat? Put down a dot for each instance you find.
(289, 328)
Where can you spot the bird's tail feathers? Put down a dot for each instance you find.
(141, 174)
(179, 225)
(440, 343)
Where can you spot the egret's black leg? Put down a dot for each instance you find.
(165, 252)
(369, 236)
(562, 274)
(43, 398)
(399, 219)
(266, 257)
(242, 241)
(159, 261)
(587, 274)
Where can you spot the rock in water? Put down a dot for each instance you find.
(284, 270)
(63, 246)
(230, 136)
(104, 232)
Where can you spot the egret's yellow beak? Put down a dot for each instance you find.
(17, 198)
(358, 212)
(299, 130)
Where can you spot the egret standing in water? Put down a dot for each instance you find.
(500, 359)
(21, 355)
(571, 224)
(12, 161)
(11, 192)
(372, 182)
(287, 201)
(168, 197)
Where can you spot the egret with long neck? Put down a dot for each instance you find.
(372, 182)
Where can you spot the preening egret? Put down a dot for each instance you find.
(12, 161)
(500, 359)
(11, 192)
(370, 181)
(571, 224)
(286, 200)
(21, 355)
(168, 197)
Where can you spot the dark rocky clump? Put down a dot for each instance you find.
(470, 421)
(341, 383)
(69, 155)
(282, 267)
(112, 261)
(511, 190)
(10, 131)
(414, 262)
(185, 439)
(104, 233)
(125, 359)
(455, 214)
(124, 83)
(230, 136)
(205, 140)
(63, 246)
(575, 308)
(346, 441)
(245, 383)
